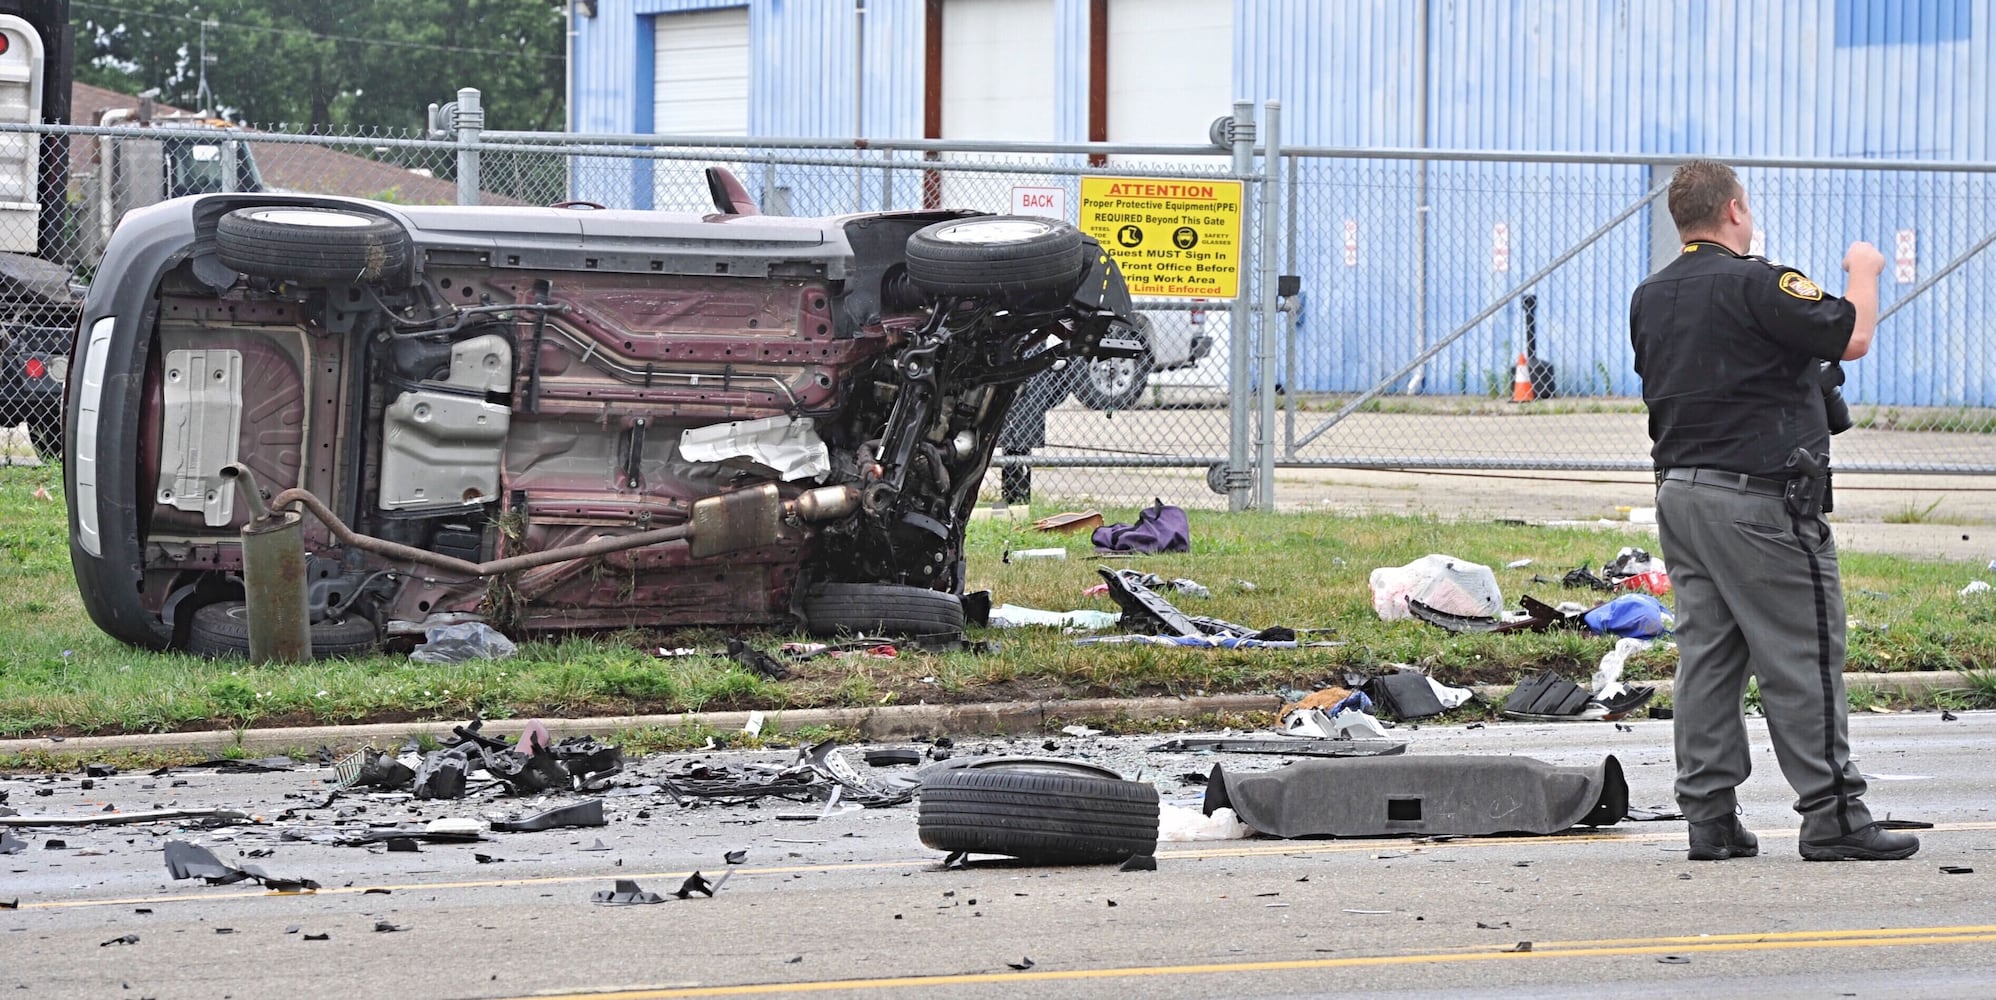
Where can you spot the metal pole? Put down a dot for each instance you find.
(1420, 197)
(1488, 311)
(470, 122)
(859, 102)
(1239, 477)
(1289, 322)
(1265, 334)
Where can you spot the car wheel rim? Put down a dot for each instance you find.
(990, 233)
(308, 217)
(1114, 376)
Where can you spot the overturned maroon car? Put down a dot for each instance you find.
(552, 418)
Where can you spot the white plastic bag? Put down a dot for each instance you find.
(1445, 583)
(1177, 825)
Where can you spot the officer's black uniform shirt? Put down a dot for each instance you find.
(1727, 348)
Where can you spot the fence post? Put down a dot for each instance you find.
(470, 121)
(1271, 159)
(1240, 474)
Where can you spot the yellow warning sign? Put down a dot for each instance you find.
(1176, 237)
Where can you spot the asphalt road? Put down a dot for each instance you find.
(854, 905)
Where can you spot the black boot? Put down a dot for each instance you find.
(1721, 839)
(1867, 843)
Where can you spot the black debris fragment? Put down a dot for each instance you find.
(1583, 577)
(1481, 926)
(384, 927)
(599, 845)
(99, 770)
(403, 845)
(225, 930)
(486, 859)
(1947, 716)
(586, 813)
(1140, 863)
(259, 765)
(893, 756)
(627, 893)
(292, 929)
(10, 844)
(758, 662)
(377, 892)
(10, 904)
(695, 883)
(1024, 963)
(1956, 870)
(318, 937)
(185, 860)
(736, 857)
(121, 939)
(55, 845)
(1522, 946)
(370, 768)
(442, 775)
(1674, 960)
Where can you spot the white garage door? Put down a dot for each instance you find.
(700, 81)
(998, 83)
(1170, 68)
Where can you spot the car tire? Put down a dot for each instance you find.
(1038, 816)
(1013, 257)
(312, 244)
(221, 631)
(882, 609)
(46, 438)
(1114, 383)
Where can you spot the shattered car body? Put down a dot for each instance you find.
(555, 418)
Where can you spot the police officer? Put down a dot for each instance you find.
(1731, 350)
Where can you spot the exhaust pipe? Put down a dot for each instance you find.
(280, 622)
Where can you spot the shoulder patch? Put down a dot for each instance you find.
(1795, 284)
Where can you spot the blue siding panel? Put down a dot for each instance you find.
(1814, 78)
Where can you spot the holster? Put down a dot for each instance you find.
(1808, 496)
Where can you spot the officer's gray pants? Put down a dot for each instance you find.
(1757, 593)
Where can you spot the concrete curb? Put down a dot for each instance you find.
(889, 722)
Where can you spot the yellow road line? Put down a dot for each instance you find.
(1242, 849)
(1900, 937)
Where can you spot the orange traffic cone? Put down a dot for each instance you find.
(1521, 384)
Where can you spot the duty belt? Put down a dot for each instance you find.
(1804, 496)
(1738, 482)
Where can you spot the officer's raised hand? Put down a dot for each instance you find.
(1863, 259)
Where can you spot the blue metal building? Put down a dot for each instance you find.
(1873, 79)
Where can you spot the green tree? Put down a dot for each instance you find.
(332, 64)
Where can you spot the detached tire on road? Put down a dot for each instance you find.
(221, 630)
(312, 244)
(1004, 257)
(882, 609)
(1038, 816)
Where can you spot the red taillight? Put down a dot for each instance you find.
(35, 368)
(6, 42)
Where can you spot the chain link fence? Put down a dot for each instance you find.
(1422, 280)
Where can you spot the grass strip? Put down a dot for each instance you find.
(60, 676)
